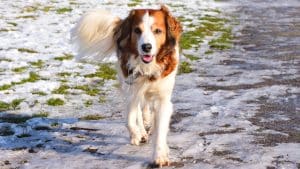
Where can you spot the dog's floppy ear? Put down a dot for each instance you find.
(174, 27)
(123, 31)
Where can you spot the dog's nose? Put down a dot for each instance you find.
(146, 47)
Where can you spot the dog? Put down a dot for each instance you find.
(147, 46)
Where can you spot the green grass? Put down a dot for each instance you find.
(214, 19)
(105, 71)
(208, 26)
(38, 64)
(13, 105)
(47, 8)
(5, 60)
(20, 69)
(88, 90)
(64, 74)
(41, 93)
(5, 87)
(12, 23)
(66, 56)
(63, 10)
(33, 77)
(191, 57)
(92, 117)
(41, 114)
(88, 103)
(26, 50)
(61, 90)
(208, 52)
(223, 42)
(184, 67)
(134, 3)
(102, 99)
(55, 102)
(4, 106)
(27, 17)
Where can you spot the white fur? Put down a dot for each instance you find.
(147, 36)
(93, 35)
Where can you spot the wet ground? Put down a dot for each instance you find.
(238, 108)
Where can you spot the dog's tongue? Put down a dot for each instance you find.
(147, 58)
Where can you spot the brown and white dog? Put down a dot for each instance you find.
(147, 48)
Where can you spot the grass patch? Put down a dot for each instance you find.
(88, 90)
(5, 87)
(33, 77)
(38, 63)
(185, 67)
(184, 19)
(191, 57)
(102, 99)
(55, 102)
(223, 42)
(88, 103)
(27, 17)
(12, 23)
(105, 71)
(41, 114)
(92, 117)
(26, 50)
(5, 60)
(41, 93)
(61, 90)
(208, 52)
(20, 69)
(207, 27)
(213, 18)
(4, 106)
(47, 8)
(64, 74)
(13, 105)
(63, 10)
(64, 57)
(134, 3)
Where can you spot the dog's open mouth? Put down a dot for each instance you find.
(147, 58)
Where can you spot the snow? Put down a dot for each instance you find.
(212, 128)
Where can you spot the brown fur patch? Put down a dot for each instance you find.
(166, 41)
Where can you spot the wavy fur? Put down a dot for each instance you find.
(93, 35)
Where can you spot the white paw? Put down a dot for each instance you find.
(161, 157)
(135, 140)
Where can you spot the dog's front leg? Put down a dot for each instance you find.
(162, 121)
(133, 111)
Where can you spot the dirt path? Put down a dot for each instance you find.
(237, 105)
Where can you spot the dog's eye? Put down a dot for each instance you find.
(137, 30)
(157, 31)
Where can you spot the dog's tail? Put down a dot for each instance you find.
(93, 35)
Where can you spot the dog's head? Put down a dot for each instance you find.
(146, 31)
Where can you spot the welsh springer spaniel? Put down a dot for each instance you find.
(147, 47)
